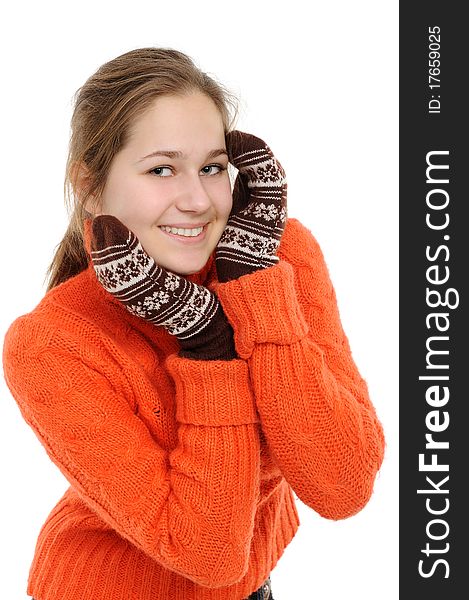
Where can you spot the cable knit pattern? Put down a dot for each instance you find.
(314, 406)
(181, 471)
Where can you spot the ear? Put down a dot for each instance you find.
(82, 181)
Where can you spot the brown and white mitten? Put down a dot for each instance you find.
(186, 310)
(252, 234)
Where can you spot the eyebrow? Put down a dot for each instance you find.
(179, 154)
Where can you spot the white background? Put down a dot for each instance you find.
(320, 87)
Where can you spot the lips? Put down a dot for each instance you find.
(184, 225)
(183, 231)
(187, 239)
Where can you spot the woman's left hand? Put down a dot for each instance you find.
(252, 234)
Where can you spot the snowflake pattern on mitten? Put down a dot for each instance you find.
(146, 290)
(252, 234)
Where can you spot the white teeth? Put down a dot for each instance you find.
(184, 232)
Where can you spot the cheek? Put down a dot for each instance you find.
(135, 202)
(225, 200)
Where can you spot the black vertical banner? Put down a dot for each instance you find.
(433, 260)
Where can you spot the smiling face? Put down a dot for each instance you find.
(171, 180)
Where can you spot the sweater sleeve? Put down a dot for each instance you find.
(315, 410)
(192, 508)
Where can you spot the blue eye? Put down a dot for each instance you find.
(158, 171)
(168, 171)
(219, 167)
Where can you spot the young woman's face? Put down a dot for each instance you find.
(172, 173)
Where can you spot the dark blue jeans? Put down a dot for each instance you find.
(263, 593)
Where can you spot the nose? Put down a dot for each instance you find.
(193, 196)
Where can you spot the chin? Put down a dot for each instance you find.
(187, 269)
(191, 271)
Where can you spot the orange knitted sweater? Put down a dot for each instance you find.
(182, 471)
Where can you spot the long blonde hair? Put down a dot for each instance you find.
(104, 110)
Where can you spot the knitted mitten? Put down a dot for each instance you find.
(252, 234)
(186, 310)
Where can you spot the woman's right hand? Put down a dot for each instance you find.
(186, 310)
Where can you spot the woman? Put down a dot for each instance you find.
(187, 369)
